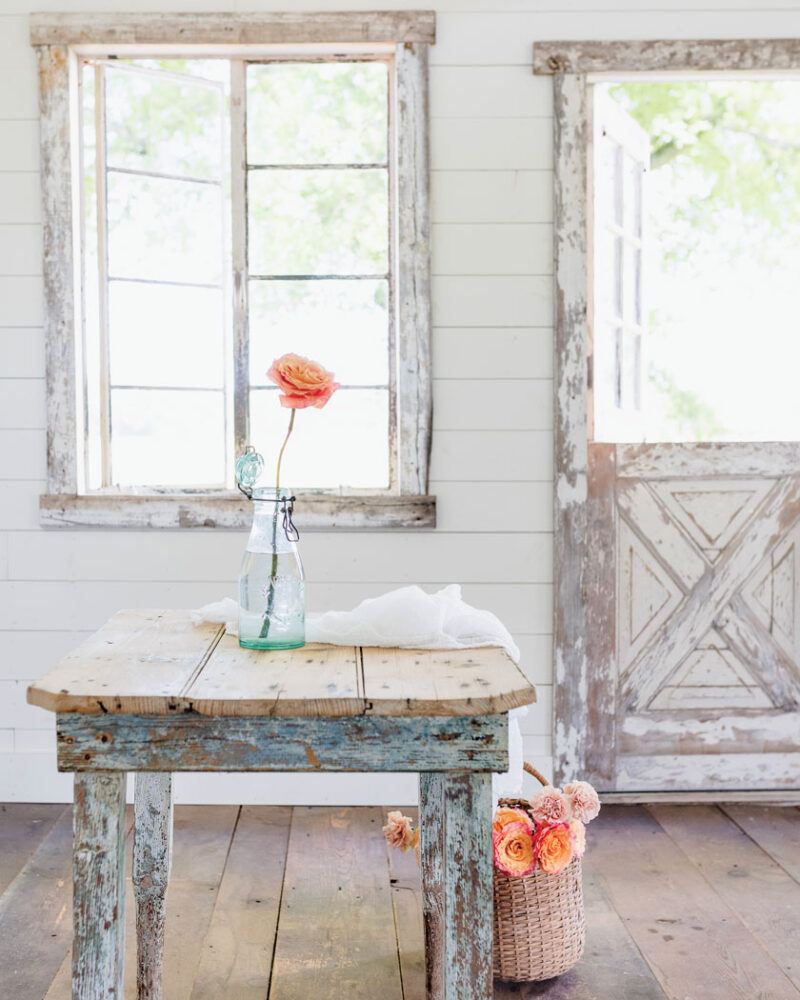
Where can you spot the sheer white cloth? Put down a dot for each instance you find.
(409, 618)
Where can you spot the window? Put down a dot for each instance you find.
(228, 203)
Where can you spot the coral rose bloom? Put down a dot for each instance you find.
(578, 831)
(583, 799)
(505, 815)
(551, 805)
(302, 382)
(553, 845)
(400, 833)
(514, 852)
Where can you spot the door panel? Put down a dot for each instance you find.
(700, 640)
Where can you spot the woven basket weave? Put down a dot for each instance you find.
(539, 926)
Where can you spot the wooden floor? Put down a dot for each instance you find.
(685, 902)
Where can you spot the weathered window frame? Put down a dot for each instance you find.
(581, 701)
(58, 40)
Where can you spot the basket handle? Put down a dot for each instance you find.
(536, 774)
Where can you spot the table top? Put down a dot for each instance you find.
(158, 662)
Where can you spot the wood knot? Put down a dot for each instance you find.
(558, 64)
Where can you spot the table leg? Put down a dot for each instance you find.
(456, 862)
(98, 853)
(152, 852)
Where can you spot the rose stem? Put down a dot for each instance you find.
(271, 596)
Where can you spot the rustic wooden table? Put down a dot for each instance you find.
(152, 693)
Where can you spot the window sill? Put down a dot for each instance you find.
(313, 511)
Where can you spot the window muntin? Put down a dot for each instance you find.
(159, 202)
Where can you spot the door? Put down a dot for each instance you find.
(692, 576)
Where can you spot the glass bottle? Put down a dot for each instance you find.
(272, 587)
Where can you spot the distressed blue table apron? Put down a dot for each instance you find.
(150, 694)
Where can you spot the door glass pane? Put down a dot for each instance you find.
(342, 324)
(721, 258)
(345, 445)
(317, 113)
(164, 438)
(318, 221)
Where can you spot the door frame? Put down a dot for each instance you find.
(584, 699)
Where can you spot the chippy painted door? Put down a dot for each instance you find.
(694, 616)
(692, 600)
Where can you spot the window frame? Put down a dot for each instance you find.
(60, 41)
(575, 66)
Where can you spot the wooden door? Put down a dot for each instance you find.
(693, 616)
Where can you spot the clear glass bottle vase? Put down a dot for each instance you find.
(272, 583)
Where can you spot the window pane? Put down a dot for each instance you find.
(345, 444)
(166, 335)
(342, 324)
(164, 230)
(318, 221)
(317, 113)
(163, 438)
(162, 124)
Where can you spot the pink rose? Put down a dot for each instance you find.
(583, 800)
(302, 382)
(550, 806)
(578, 831)
(400, 833)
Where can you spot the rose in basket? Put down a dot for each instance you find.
(546, 832)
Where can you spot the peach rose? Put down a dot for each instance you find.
(583, 800)
(553, 846)
(514, 852)
(505, 815)
(302, 382)
(578, 831)
(551, 806)
(400, 833)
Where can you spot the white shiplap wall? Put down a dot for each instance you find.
(492, 450)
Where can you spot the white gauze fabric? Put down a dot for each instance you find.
(408, 618)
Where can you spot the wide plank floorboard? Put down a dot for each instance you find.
(682, 903)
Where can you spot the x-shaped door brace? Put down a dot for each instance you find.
(712, 593)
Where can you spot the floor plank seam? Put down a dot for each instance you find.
(280, 906)
(763, 849)
(393, 893)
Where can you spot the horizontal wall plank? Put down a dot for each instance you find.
(192, 742)
(6, 740)
(32, 653)
(536, 659)
(502, 506)
(492, 144)
(487, 352)
(15, 52)
(35, 740)
(539, 719)
(490, 248)
(14, 709)
(492, 301)
(481, 404)
(491, 196)
(19, 504)
(413, 558)
(18, 96)
(22, 403)
(511, 456)
(492, 37)
(19, 145)
(19, 199)
(21, 298)
(20, 248)
(488, 92)
(58, 606)
(22, 455)
(21, 351)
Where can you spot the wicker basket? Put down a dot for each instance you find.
(539, 927)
